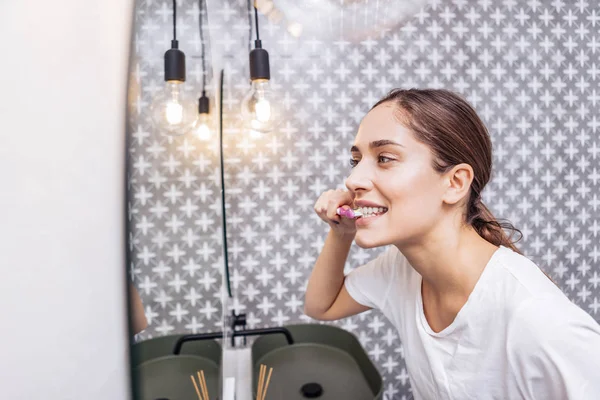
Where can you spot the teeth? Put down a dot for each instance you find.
(371, 211)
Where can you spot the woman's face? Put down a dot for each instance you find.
(393, 171)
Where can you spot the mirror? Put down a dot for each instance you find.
(330, 61)
(174, 202)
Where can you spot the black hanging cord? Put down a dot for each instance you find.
(174, 19)
(224, 216)
(201, 7)
(256, 22)
(249, 26)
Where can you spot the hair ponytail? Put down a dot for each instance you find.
(489, 228)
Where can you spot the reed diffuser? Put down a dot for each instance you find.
(202, 391)
(261, 391)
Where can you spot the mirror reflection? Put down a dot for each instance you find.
(175, 228)
(300, 229)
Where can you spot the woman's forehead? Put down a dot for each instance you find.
(381, 123)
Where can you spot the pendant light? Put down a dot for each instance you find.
(259, 106)
(202, 124)
(173, 111)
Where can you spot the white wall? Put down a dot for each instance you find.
(63, 69)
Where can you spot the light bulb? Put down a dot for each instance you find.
(201, 127)
(263, 110)
(172, 110)
(259, 107)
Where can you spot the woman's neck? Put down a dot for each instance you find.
(450, 264)
(450, 267)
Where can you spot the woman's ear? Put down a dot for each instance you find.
(458, 183)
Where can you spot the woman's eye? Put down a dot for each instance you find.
(384, 159)
(353, 163)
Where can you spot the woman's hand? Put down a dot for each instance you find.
(326, 208)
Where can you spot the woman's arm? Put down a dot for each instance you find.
(137, 314)
(326, 296)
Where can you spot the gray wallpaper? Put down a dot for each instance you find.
(530, 68)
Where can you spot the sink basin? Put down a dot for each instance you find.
(160, 374)
(163, 346)
(168, 377)
(325, 363)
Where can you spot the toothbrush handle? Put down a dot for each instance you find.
(348, 213)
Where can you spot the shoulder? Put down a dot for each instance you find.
(539, 308)
(525, 273)
(552, 332)
(514, 279)
(537, 311)
(544, 321)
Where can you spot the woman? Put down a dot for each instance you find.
(477, 319)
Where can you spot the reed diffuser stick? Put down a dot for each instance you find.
(196, 387)
(261, 377)
(204, 386)
(264, 395)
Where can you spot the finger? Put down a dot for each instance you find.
(332, 211)
(319, 205)
(322, 208)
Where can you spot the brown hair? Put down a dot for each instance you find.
(451, 128)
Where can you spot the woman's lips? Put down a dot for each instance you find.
(364, 221)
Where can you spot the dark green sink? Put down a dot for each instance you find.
(158, 373)
(325, 363)
(163, 346)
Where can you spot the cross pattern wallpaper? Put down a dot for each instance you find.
(531, 69)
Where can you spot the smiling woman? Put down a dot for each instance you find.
(477, 318)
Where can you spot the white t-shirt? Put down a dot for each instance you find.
(517, 337)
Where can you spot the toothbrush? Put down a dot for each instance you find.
(349, 213)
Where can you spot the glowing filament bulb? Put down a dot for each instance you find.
(174, 112)
(263, 110)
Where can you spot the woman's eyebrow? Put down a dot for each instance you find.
(377, 143)
(381, 143)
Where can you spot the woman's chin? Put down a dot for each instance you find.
(365, 242)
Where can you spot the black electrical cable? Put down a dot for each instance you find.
(201, 7)
(174, 19)
(256, 21)
(249, 26)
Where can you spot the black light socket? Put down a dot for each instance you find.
(259, 63)
(203, 105)
(174, 63)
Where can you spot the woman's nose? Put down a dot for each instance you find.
(359, 179)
